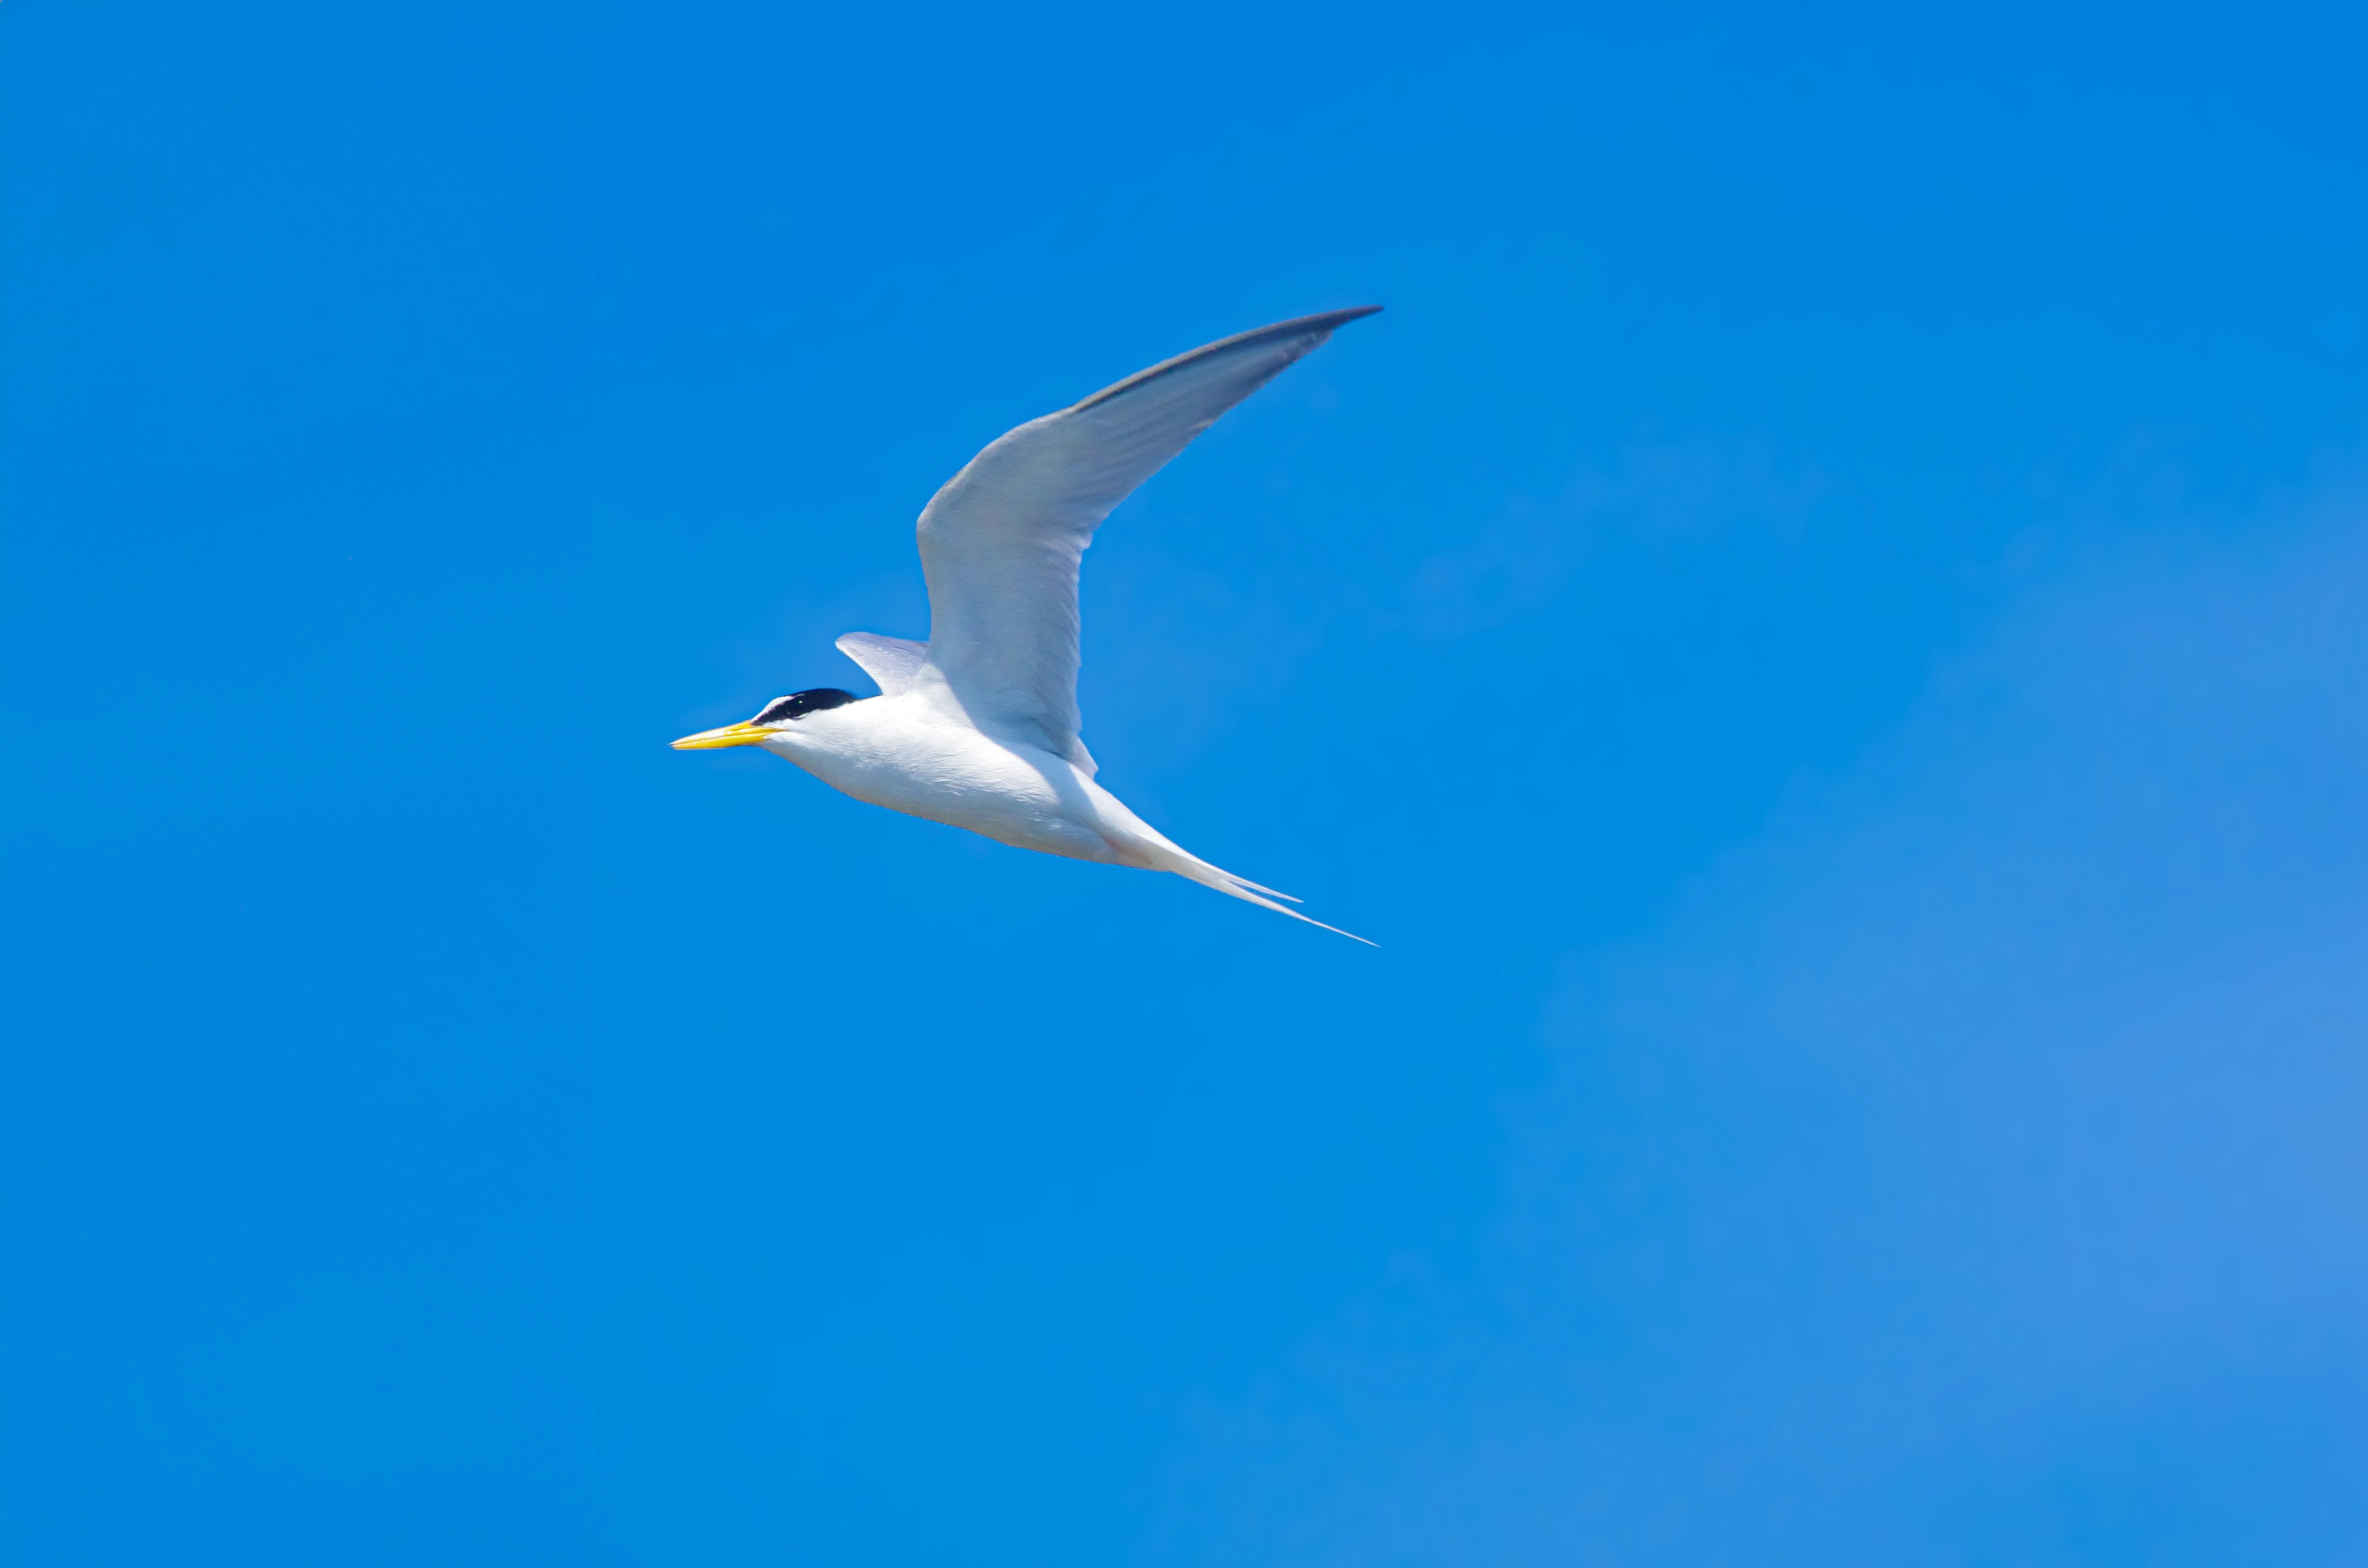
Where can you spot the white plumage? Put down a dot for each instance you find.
(978, 726)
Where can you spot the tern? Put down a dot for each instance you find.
(978, 726)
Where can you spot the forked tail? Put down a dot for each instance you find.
(1190, 865)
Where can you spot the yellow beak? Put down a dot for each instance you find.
(729, 735)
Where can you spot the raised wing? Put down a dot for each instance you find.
(1001, 543)
(891, 662)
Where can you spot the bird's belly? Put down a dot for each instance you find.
(957, 776)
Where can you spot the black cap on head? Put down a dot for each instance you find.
(798, 704)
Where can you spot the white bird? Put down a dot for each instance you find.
(978, 726)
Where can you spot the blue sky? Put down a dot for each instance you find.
(1818, 631)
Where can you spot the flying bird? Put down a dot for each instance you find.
(978, 726)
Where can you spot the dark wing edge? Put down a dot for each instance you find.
(1325, 321)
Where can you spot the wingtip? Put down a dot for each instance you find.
(1332, 321)
(1316, 328)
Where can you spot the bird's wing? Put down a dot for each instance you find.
(1001, 543)
(891, 662)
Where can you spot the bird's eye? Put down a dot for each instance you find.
(798, 704)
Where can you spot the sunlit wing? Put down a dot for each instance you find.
(1001, 543)
(891, 662)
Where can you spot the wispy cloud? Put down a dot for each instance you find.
(1971, 1171)
(1176, 655)
(1659, 494)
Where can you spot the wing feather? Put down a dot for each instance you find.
(891, 662)
(1000, 543)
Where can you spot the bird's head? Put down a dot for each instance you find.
(775, 718)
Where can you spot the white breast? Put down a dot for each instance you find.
(904, 753)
